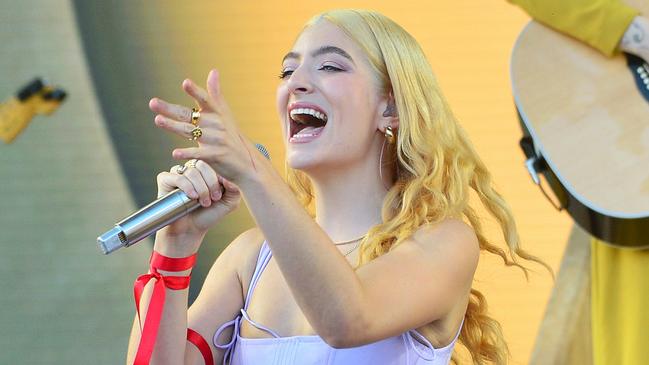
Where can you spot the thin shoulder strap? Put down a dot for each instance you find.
(262, 261)
(430, 356)
(459, 331)
(259, 326)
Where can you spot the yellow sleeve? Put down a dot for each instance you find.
(599, 23)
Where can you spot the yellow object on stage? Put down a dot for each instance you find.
(35, 98)
(14, 118)
(620, 303)
(598, 23)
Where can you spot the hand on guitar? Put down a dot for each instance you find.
(636, 38)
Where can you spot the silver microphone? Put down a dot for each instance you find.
(156, 215)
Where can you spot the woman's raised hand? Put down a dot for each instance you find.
(222, 159)
(221, 144)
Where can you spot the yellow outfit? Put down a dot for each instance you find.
(619, 305)
(619, 277)
(599, 23)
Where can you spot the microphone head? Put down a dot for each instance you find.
(263, 150)
(111, 240)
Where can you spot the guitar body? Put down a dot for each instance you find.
(588, 118)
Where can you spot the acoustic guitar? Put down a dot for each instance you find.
(585, 121)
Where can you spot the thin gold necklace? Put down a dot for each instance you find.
(352, 250)
(350, 241)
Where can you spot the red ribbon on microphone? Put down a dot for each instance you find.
(154, 312)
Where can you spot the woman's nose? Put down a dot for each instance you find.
(300, 81)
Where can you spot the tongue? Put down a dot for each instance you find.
(309, 130)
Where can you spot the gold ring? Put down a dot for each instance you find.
(196, 133)
(181, 169)
(191, 163)
(196, 114)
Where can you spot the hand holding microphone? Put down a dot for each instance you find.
(221, 148)
(216, 195)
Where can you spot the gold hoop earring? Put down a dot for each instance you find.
(381, 166)
(389, 135)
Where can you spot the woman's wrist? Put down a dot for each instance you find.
(177, 246)
(166, 273)
(171, 266)
(263, 174)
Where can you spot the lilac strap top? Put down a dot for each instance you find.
(409, 348)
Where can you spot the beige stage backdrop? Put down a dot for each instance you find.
(70, 176)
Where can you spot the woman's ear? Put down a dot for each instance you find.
(390, 114)
(390, 110)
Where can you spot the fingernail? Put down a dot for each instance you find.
(207, 202)
(193, 194)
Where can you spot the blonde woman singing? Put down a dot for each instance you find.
(366, 255)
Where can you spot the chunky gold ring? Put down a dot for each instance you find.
(191, 163)
(196, 115)
(196, 133)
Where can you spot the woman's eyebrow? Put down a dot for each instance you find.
(320, 51)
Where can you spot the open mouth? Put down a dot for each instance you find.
(306, 121)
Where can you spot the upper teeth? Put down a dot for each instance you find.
(309, 111)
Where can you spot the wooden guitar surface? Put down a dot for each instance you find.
(588, 119)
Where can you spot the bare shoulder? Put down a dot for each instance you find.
(246, 242)
(452, 238)
(229, 273)
(242, 253)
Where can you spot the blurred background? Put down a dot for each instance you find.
(70, 176)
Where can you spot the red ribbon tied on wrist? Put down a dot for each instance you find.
(154, 312)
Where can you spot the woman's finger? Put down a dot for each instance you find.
(199, 95)
(189, 153)
(214, 91)
(168, 181)
(208, 134)
(177, 112)
(211, 179)
(197, 180)
(228, 185)
(180, 128)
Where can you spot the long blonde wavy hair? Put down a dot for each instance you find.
(436, 167)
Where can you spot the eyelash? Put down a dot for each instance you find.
(328, 68)
(285, 74)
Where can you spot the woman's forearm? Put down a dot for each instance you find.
(321, 280)
(171, 340)
(172, 334)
